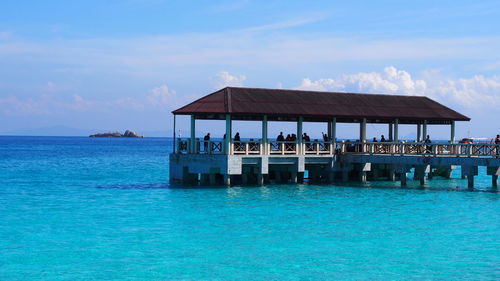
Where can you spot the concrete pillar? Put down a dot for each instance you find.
(420, 172)
(402, 178)
(293, 178)
(470, 172)
(228, 140)
(227, 180)
(396, 130)
(299, 134)
(192, 140)
(452, 132)
(362, 176)
(470, 181)
(244, 179)
(419, 132)
(494, 181)
(424, 130)
(264, 135)
(362, 130)
(391, 135)
(391, 174)
(260, 179)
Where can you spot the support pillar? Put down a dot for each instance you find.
(228, 140)
(362, 130)
(391, 134)
(333, 130)
(192, 142)
(494, 181)
(396, 130)
(419, 132)
(293, 178)
(299, 135)
(420, 172)
(227, 180)
(402, 178)
(264, 136)
(470, 172)
(424, 129)
(452, 132)
(260, 179)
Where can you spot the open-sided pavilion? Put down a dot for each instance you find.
(264, 105)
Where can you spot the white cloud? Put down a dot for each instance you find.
(478, 91)
(225, 79)
(162, 96)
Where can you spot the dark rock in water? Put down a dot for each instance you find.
(127, 134)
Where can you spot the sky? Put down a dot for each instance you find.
(80, 67)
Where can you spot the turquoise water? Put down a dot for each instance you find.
(101, 209)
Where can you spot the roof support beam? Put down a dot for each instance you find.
(299, 134)
(391, 135)
(228, 139)
(396, 130)
(362, 130)
(419, 132)
(424, 130)
(264, 135)
(452, 132)
(192, 142)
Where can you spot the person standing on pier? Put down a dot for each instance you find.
(237, 139)
(428, 147)
(206, 139)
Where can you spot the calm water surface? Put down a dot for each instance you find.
(101, 209)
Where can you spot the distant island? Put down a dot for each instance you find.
(127, 134)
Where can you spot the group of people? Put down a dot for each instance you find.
(292, 137)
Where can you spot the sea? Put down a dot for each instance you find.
(76, 208)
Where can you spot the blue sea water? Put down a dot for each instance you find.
(101, 209)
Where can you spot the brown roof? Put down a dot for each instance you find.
(252, 103)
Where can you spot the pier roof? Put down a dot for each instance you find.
(288, 105)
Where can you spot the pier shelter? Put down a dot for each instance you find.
(259, 160)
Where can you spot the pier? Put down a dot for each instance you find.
(263, 160)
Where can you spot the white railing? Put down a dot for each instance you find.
(418, 148)
(246, 147)
(257, 147)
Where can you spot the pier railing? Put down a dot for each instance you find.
(257, 147)
(419, 148)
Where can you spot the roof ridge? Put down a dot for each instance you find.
(324, 92)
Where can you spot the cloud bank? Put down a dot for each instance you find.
(474, 92)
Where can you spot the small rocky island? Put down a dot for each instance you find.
(127, 134)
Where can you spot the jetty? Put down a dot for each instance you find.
(261, 160)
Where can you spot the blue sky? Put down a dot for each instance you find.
(112, 65)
